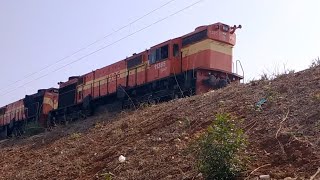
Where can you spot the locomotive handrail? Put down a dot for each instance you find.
(175, 77)
(233, 70)
(238, 61)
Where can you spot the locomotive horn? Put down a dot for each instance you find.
(234, 28)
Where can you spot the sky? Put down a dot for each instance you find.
(34, 34)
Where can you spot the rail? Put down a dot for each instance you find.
(239, 62)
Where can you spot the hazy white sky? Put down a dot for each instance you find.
(37, 33)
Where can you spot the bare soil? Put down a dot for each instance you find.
(283, 135)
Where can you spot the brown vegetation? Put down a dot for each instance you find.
(283, 133)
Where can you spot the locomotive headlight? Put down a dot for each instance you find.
(225, 28)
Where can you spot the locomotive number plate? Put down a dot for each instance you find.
(160, 65)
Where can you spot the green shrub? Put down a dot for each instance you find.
(220, 154)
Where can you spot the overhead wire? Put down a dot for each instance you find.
(108, 45)
(89, 45)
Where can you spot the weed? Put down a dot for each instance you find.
(107, 176)
(264, 77)
(75, 135)
(98, 125)
(317, 96)
(187, 122)
(220, 149)
(276, 73)
(315, 63)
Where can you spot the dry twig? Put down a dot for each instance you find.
(285, 118)
(315, 175)
(278, 131)
(258, 169)
(251, 126)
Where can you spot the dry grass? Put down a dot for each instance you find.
(155, 139)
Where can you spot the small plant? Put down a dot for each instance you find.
(264, 77)
(98, 125)
(187, 122)
(144, 105)
(107, 176)
(220, 154)
(315, 62)
(315, 96)
(75, 135)
(276, 73)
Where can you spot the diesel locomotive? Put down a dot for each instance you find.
(184, 66)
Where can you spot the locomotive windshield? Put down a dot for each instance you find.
(194, 38)
(159, 54)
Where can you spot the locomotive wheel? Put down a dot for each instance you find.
(51, 121)
(222, 83)
(158, 100)
(82, 115)
(152, 101)
(17, 132)
(132, 106)
(174, 96)
(191, 92)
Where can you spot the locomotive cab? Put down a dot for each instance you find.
(207, 52)
(40, 104)
(67, 92)
(164, 60)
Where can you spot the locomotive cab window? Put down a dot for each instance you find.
(152, 57)
(80, 95)
(159, 54)
(2, 111)
(164, 52)
(176, 50)
(134, 62)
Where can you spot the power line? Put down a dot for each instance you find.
(93, 52)
(89, 45)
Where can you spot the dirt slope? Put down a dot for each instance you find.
(284, 136)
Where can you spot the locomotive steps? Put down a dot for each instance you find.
(281, 118)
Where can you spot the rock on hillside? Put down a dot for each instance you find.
(284, 136)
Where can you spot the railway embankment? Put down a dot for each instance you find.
(280, 118)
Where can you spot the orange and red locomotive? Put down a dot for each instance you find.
(34, 108)
(183, 66)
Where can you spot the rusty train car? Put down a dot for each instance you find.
(33, 108)
(184, 66)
